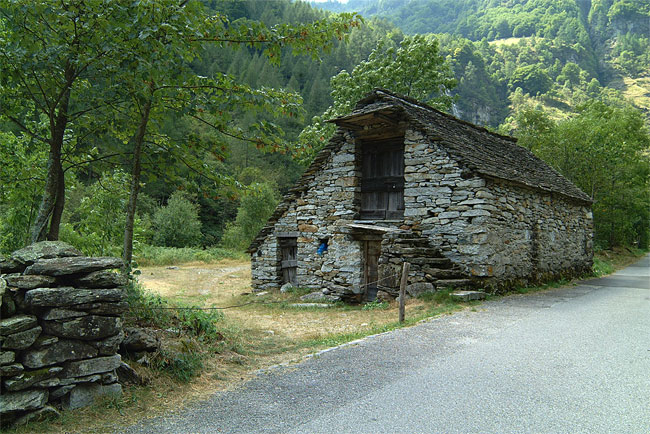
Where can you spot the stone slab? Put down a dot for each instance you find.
(468, 295)
(101, 279)
(29, 378)
(22, 401)
(91, 327)
(7, 357)
(44, 250)
(17, 324)
(69, 296)
(72, 265)
(40, 415)
(22, 340)
(30, 282)
(84, 395)
(58, 352)
(98, 365)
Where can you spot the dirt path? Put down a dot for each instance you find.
(199, 283)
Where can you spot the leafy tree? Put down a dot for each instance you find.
(139, 54)
(177, 224)
(256, 207)
(415, 68)
(50, 54)
(21, 180)
(531, 79)
(604, 151)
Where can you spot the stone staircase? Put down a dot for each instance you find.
(429, 267)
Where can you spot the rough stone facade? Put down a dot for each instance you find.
(478, 210)
(60, 330)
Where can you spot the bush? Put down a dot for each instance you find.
(256, 206)
(177, 224)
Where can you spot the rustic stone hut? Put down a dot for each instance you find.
(402, 181)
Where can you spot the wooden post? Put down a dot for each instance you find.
(402, 289)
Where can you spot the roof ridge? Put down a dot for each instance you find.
(422, 105)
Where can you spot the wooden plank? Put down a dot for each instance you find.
(287, 234)
(289, 263)
(402, 291)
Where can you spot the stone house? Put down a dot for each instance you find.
(402, 181)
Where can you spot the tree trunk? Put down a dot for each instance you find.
(138, 140)
(41, 223)
(59, 203)
(46, 225)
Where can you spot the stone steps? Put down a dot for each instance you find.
(453, 283)
(468, 295)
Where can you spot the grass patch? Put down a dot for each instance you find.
(602, 267)
(155, 255)
(375, 305)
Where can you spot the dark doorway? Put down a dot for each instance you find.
(372, 250)
(288, 259)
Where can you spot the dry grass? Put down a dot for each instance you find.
(227, 283)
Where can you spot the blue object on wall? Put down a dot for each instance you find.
(322, 248)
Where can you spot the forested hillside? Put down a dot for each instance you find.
(214, 164)
(538, 45)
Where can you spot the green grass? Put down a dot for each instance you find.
(155, 255)
(602, 267)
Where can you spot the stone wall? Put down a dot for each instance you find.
(60, 330)
(485, 231)
(328, 204)
(497, 231)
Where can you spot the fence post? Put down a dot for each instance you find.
(402, 290)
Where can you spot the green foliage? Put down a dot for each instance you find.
(155, 255)
(604, 151)
(177, 224)
(415, 68)
(201, 323)
(257, 204)
(21, 180)
(442, 296)
(531, 79)
(146, 308)
(375, 305)
(601, 267)
(95, 221)
(182, 365)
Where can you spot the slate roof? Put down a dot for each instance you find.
(475, 148)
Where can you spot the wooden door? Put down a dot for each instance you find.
(288, 259)
(372, 251)
(382, 181)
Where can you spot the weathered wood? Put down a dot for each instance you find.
(287, 234)
(288, 259)
(371, 272)
(382, 182)
(402, 290)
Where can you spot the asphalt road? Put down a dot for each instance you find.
(573, 360)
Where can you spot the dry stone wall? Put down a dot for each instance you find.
(60, 330)
(497, 231)
(328, 203)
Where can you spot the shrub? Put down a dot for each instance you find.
(177, 224)
(256, 206)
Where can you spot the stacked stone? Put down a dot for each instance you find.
(60, 330)
(430, 270)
